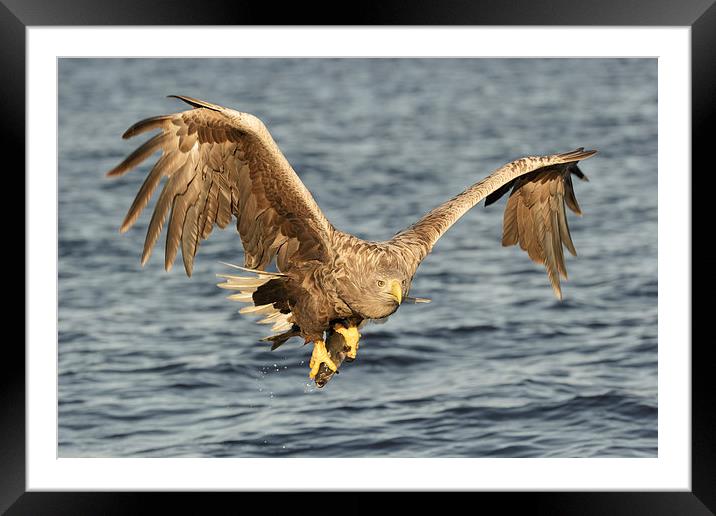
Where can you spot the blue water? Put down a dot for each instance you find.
(155, 364)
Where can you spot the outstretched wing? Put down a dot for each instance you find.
(534, 217)
(220, 163)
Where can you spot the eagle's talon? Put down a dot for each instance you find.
(320, 356)
(351, 337)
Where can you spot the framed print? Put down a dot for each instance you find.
(581, 394)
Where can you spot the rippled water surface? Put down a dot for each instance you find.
(155, 364)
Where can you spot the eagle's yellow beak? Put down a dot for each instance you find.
(396, 290)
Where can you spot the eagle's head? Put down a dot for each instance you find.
(376, 292)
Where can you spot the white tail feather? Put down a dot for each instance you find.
(258, 310)
(271, 319)
(247, 285)
(255, 271)
(233, 286)
(282, 326)
(243, 281)
(244, 297)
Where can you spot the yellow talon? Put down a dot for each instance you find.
(319, 356)
(351, 336)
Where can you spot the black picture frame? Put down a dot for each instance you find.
(700, 15)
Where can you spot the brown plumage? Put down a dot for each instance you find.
(535, 218)
(219, 164)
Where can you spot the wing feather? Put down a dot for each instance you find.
(564, 230)
(510, 231)
(147, 124)
(190, 237)
(223, 209)
(209, 214)
(174, 185)
(550, 262)
(181, 205)
(541, 227)
(569, 196)
(143, 152)
(166, 164)
(526, 229)
(557, 244)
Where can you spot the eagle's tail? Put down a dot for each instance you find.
(265, 294)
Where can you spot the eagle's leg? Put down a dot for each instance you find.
(351, 336)
(319, 356)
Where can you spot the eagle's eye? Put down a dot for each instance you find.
(402, 282)
(381, 283)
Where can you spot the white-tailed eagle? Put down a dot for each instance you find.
(220, 165)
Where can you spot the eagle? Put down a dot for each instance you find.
(300, 273)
